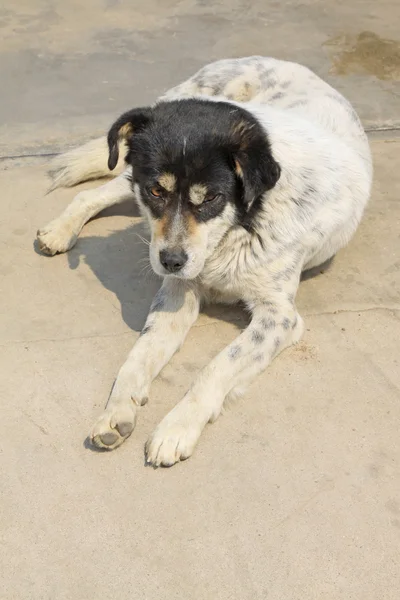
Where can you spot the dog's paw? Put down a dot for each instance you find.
(114, 426)
(56, 237)
(175, 437)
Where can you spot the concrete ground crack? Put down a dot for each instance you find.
(67, 339)
(352, 310)
(38, 155)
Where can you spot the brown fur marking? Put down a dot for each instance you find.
(161, 226)
(191, 225)
(126, 130)
(238, 169)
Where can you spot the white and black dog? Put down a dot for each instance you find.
(249, 173)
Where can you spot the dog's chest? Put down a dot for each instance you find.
(234, 266)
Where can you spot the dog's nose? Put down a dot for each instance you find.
(173, 260)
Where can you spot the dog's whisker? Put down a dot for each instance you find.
(142, 239)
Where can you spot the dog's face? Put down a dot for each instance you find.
(198, 168)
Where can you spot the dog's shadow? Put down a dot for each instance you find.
(120, 261)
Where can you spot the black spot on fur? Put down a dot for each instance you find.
(284, 275)
(268, 78)
(306, 199)
(234, 352)
(277, 343)
(276, 96)
(267, 324)
(310, 190)
(297, 103)
(286, 323)
(257, 337)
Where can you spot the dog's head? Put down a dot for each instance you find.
(198, 168)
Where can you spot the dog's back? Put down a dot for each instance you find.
(285, 85)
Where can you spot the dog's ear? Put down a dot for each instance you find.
(127, 125)
(253, 162)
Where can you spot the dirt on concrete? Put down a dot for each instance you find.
(365, 53)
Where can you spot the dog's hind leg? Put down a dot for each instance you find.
(61, 234)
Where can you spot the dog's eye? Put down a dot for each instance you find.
(211, 198)
(156, 192)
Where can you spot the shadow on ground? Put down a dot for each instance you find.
(120, 261)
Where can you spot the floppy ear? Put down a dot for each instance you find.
(129, 123)
(254, 164)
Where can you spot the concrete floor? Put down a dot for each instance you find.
(294, 493)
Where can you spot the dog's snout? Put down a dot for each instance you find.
(173, 260)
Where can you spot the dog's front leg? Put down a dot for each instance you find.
(173, 311)
(274, 326)
(61, 234)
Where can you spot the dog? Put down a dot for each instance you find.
(250, 173)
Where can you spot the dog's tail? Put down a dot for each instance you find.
(83, 163)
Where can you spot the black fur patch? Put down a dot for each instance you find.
(198, 141)
(127, 124)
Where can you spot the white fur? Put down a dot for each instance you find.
(61, 234)
(81, 164)
(319, 142)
